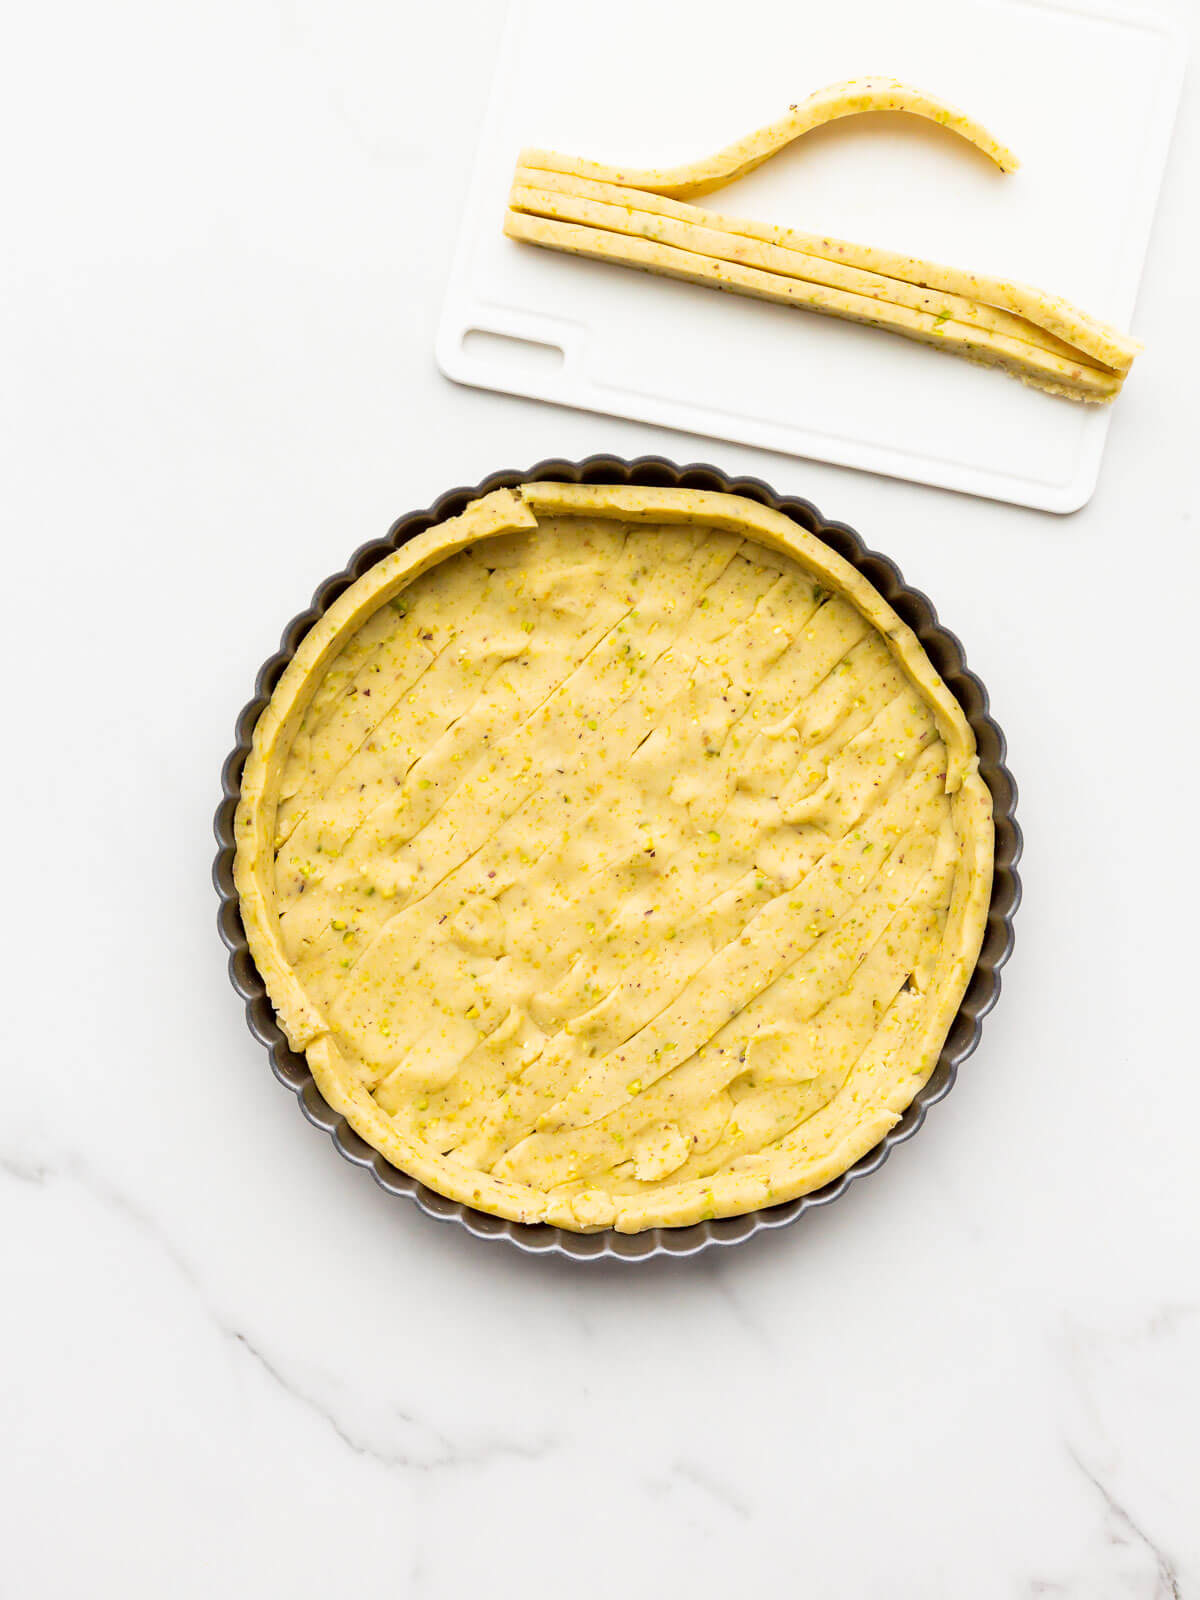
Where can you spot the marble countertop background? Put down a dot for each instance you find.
(229, 1365)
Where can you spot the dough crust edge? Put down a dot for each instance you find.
(781, 1176)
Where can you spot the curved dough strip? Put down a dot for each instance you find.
(734, 514)
(254, 821)
(838, 100)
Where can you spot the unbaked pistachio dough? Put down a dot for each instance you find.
(636, 217)
(616, 855)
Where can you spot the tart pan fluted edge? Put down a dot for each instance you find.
(947, 656)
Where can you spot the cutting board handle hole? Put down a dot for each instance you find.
(531, 356)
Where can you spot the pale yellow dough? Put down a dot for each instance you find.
(849, 99)
(637, 218)
(616, 855)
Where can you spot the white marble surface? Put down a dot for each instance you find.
(229, 1365)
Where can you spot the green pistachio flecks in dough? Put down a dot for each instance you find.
(634, 858)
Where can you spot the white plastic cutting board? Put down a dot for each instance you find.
(1086, 95)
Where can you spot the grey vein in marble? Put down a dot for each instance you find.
(440, 1453)
(716, 1270)
(23, 1171)
(692, 1475)
(446, 1453)
(1166, 1586)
